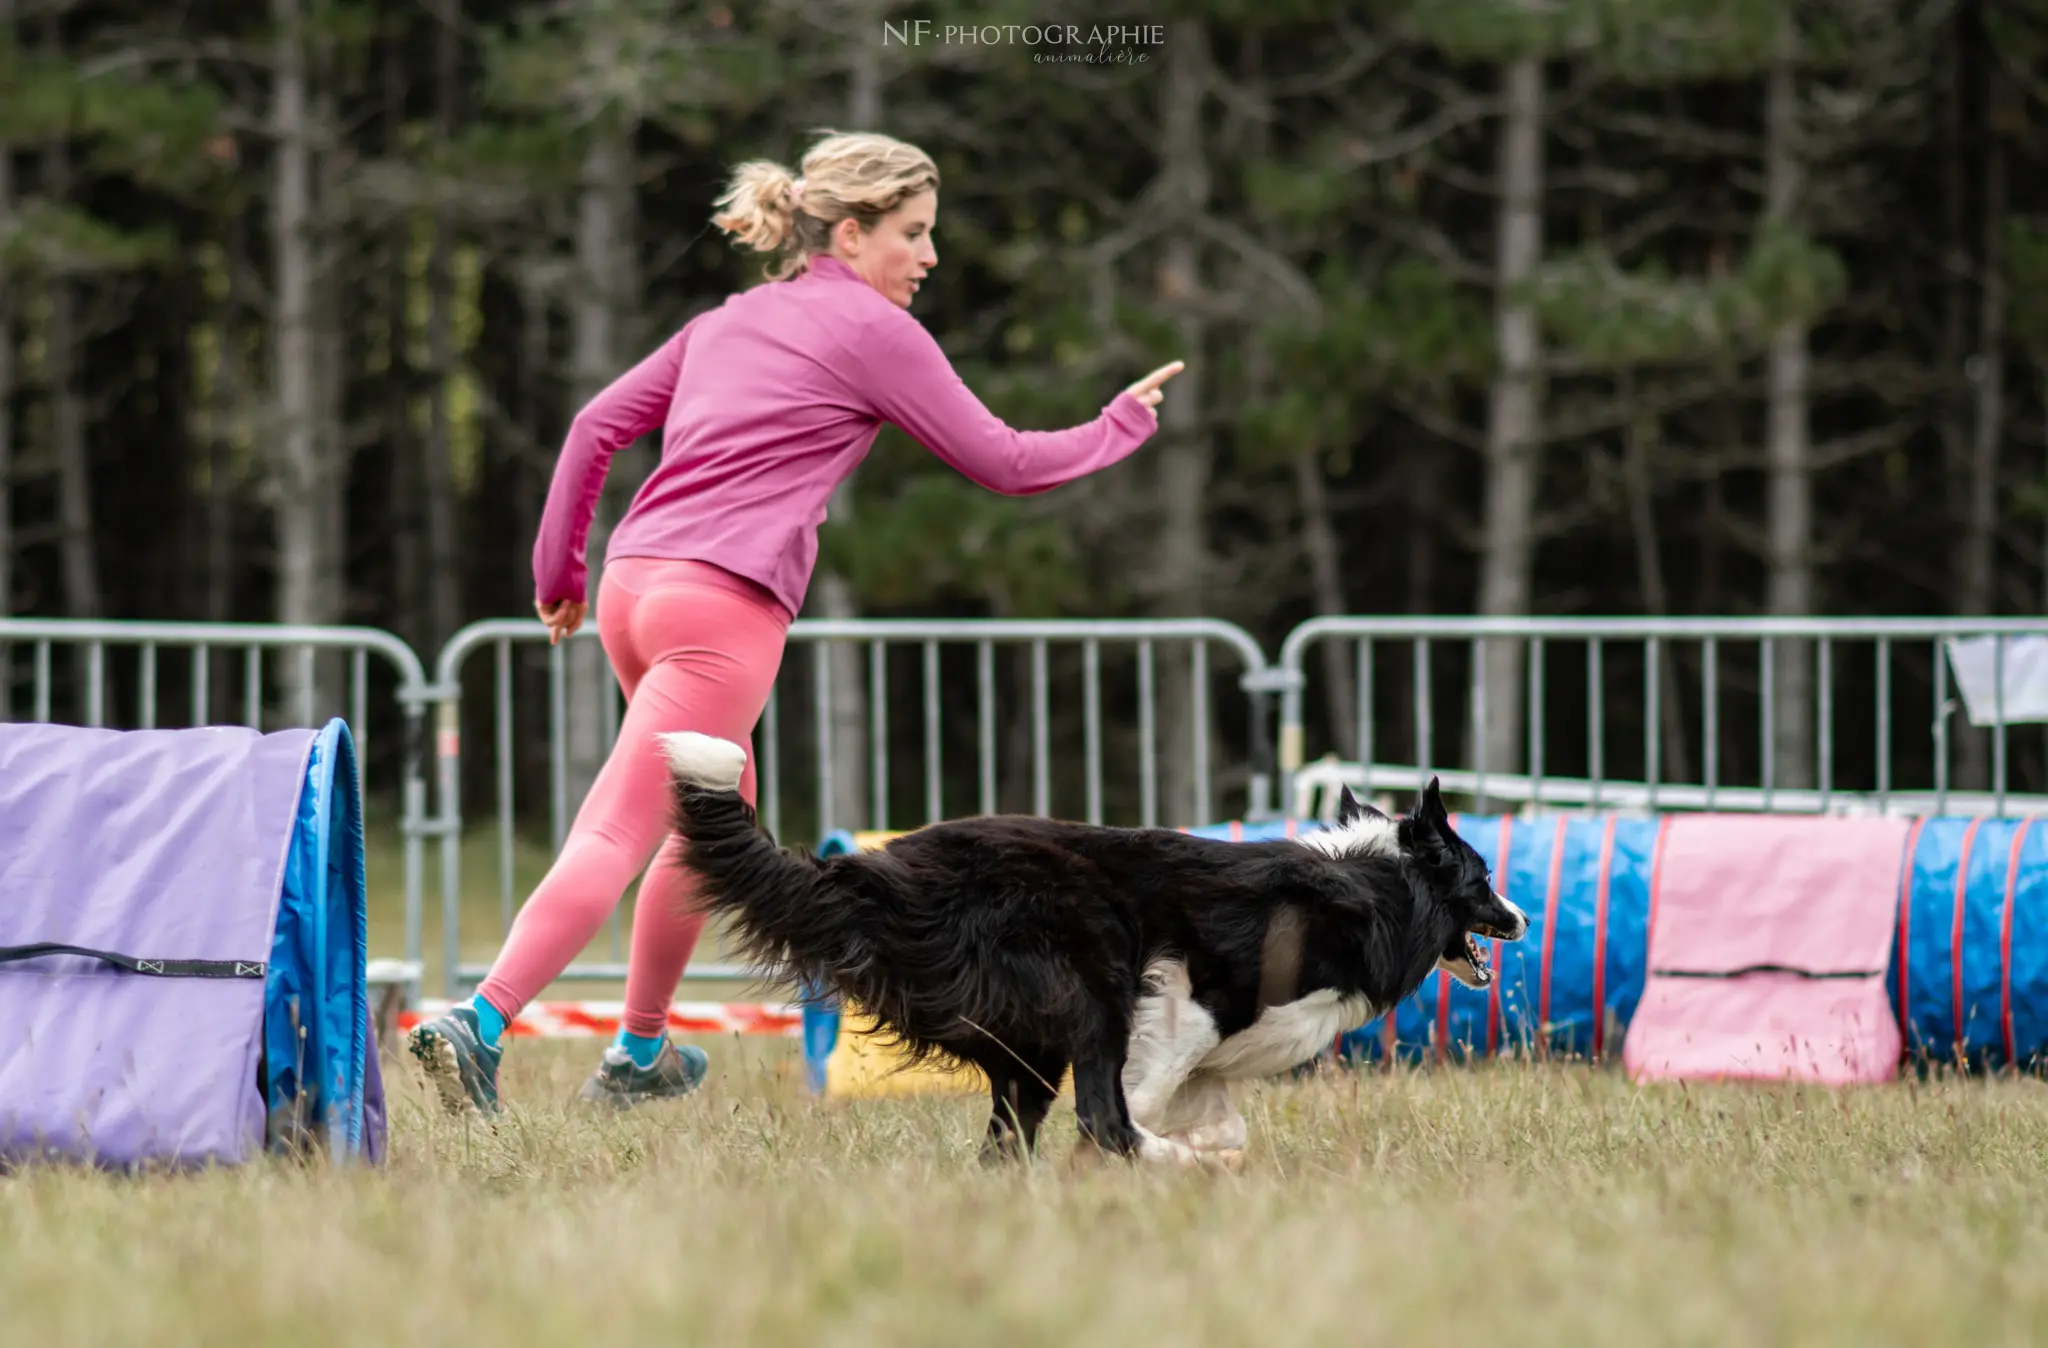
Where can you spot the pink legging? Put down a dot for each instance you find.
(695, 648)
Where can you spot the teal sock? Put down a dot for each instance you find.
(642, 1049)
(490, 1023)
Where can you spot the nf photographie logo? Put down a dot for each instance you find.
(1106, 44)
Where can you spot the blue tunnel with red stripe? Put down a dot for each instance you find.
(1969, 968)
(1574, 977)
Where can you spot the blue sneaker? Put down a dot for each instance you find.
(459, 1064)
(622, 1084)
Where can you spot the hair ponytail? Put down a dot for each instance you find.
(757, 210)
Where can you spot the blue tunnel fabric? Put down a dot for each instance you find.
(317, 1034)
(1975, 982)
(1584, 881)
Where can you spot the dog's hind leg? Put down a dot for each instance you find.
(1170, 1034)
(1020, 1095)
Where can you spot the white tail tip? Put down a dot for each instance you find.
(704, 760)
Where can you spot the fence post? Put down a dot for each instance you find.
(1287, 677)
(448, 755)
(1266, 686)
(413, 823)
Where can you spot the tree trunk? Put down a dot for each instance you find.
(6, 396)
(1987, 373)
(230, 403)
(67, 416)
(1710, 562)
(444, 568)
(236, 402)
(303, 592)
(1789, 452)
(864, 78)
(1425, 539)
(1182, 451)
(331, 326)
(1955, 266)
(1320, 545)
(1512, 434)
(596, 322)
(1425, 495)
(1638, 471)
(832, 596)
(408, 617)
(536, 366)
(1326, 578)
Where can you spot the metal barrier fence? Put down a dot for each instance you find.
(1083, 718)
(120, 679)
(1073, 740)
(1800, 689)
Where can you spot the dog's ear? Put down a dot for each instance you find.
(1429, 808)
(1350, 807)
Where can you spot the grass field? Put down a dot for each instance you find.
(1517, 1204)
(1525, 1204)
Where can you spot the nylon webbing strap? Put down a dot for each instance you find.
(1768, 969)
(10, 954)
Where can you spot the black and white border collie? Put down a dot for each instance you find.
(1158, 965)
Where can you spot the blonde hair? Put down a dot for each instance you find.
(858, 175)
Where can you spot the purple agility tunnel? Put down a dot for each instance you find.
(182, 948)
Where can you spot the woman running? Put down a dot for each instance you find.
(766, 404)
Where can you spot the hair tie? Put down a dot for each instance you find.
(796, 193)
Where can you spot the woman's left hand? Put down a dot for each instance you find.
(1148, 390)
(563, 617)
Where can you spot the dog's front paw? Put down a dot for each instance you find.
(1166, 1151)
(1224, 1135)
(1230, 1160)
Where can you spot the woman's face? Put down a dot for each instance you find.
(894, 256)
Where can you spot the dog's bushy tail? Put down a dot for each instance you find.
(776, 900)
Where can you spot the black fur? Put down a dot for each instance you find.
(1018, 944)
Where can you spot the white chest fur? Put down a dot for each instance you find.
(1286, 1036)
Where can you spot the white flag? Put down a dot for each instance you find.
(1975, 661)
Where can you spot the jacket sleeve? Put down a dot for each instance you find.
(907, 380)
(634, 404)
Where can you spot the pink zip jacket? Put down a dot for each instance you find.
(766, 403)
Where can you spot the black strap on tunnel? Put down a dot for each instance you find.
(1768, 969)
(154, 968)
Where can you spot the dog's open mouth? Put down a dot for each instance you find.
(1476, 956)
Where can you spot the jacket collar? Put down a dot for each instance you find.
(828, 268)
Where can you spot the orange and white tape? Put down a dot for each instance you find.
(595, 1020)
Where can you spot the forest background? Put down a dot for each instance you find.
(1581, 307)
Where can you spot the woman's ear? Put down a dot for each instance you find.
(846, 235)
